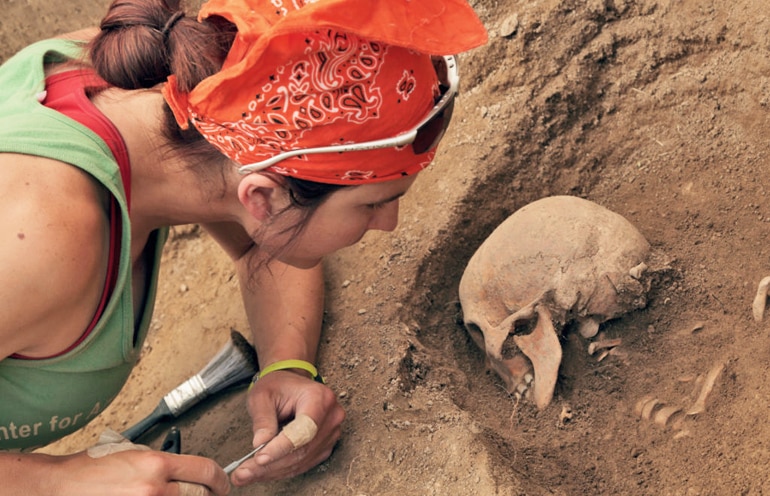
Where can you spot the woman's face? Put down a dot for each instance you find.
(340, 221)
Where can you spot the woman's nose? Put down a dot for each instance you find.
(386, 217)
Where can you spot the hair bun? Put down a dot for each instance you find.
(171, 23)
(141, 44)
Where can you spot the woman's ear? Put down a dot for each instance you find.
(261, 195)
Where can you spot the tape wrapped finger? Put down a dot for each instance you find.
(301, 430)
(112, 442)
(190, 489)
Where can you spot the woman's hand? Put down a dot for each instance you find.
(275, 400)
(148, 472)
(134, 472)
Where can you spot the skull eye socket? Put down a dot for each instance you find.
(520, 327)
(524, 326)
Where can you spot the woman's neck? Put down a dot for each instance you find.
(164, 190)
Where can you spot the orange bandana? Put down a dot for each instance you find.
(325, 73)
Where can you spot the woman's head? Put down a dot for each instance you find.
(255, 80)
(143, 42)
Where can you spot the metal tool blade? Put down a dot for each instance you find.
(237, 463)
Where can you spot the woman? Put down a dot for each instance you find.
(286, 131)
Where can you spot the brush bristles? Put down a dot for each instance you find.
(249, 353)
(235, 362)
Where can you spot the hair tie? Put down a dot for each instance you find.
(170, 23)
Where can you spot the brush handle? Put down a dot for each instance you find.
(161, 413)
(185, 395)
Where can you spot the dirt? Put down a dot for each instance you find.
(656, 109)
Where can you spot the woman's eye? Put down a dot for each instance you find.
(381, 204)
(376, 206)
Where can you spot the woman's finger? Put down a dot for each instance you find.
(189, 489)
(300, 431)
(197, 470)
(284, 460)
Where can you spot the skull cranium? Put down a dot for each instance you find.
(557, 260)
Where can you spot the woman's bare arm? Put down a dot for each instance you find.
(53, 254)
(284, 306)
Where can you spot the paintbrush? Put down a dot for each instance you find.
(235, 363)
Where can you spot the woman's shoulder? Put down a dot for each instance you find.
(55, 230)
(49, 203)
(52, 211)
(44, 182)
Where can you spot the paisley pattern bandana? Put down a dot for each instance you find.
(306, 74)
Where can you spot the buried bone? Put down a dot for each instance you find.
(555, 261)
(650, 408)
(700, 403)
(665, 415)
(760, 300)
(604, 344)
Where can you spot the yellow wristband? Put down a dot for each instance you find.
(289, 364)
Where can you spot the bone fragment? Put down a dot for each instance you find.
(697, 327)
(664, 415)
(588, 328)
(697, 385)
(682, 433)
(640, 405)
(649, 407)
(300, 431)
(678, 423)
(638, 271)
(543, 349)
(760, 300)
(686, 378)
(604, 354)
(700, 404)
(600, 345)
(565, 415)
(618, 352)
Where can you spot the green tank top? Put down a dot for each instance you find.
(44, 400)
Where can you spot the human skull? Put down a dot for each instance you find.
(555, 261)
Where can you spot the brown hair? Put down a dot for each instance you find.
(143, 42)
